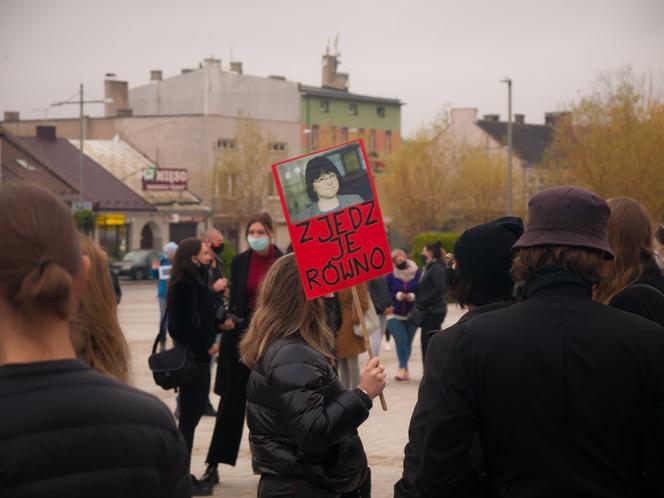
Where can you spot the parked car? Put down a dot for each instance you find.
(136, 264)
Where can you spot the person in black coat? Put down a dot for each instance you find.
(66, 430)
(431, 300)
(564, 392)
(479, 280)
(634, 282)
(247, 271)
(302, 421)
(191, 324)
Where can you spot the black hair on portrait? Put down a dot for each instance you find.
(315, 168)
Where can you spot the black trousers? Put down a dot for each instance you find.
(229, 423)
(193, 398)
(432, 321)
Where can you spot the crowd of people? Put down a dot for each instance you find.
(551, 384)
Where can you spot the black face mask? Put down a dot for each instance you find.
(450, 276)
(218, 249)
(403, 265)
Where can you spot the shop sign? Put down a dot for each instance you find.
(110, 219)
(159, 179)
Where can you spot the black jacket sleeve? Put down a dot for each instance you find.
(446, 468)
(296, 377)
(431, 290)
(184, 322)
(409, 484)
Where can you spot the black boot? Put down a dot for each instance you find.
(211, 475)
(199, 488)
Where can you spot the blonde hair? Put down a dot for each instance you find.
(282, 310)
(96, 334)
(631, 238)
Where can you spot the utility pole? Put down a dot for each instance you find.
(509, 145)
(80, 103)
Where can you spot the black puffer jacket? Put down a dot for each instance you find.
(302, 421)
(69, 432)
(432, 289)
(191, 313)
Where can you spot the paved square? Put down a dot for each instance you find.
(384, 434)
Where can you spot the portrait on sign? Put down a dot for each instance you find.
(318, 184)
(334, 220)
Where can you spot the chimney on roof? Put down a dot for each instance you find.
(155, 75)
(491, 117)
(186, 70)
(125, 113)
(277, 77)
(236, 67)
(211, 62)
(331, 77)
(118, 91)
(520, 118)
(46, 132)
(12, 116)
(553, 118)
(464, 115)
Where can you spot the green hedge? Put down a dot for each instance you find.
(226, 257)
(448, 240)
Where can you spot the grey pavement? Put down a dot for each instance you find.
(384, 434)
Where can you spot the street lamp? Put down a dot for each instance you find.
(80, 102)
(509, 145)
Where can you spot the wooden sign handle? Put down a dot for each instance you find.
(365, 334)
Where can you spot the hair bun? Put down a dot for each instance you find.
(47, 288)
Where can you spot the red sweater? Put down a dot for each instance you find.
(258, 267)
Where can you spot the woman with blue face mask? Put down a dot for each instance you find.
(247, 272)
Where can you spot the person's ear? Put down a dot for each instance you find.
(81, 280)
(194, 260)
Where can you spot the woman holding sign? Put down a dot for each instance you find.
(302, 421)
(247, 271)
(323, 182)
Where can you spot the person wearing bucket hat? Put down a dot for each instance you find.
(481, 281)
(563, 391)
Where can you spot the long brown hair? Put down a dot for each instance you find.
(95, 332)
(631, 237)
(182, 263)
(282, 310)
(39, 253)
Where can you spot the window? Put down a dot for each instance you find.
(324, 106)
(380, 111)
(344, 134)
(333, 135)
(25, 164)
(226, 143)
(278, 146)
(314, 137)
(388, 141)
(352, 109)
(372, 141)
(360, 133)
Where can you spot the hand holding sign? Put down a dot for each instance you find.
(334, 220)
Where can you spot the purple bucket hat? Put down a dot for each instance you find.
(567, 216)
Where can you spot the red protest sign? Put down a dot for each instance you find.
(334, 219)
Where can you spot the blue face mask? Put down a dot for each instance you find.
(258, 243)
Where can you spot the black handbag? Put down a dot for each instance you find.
(174, 367)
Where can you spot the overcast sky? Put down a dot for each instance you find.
(429, 54)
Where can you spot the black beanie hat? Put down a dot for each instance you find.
(484, 253)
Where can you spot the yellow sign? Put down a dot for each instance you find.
(110, 219)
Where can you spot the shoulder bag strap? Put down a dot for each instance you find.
(161, 327)
(647, 286)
